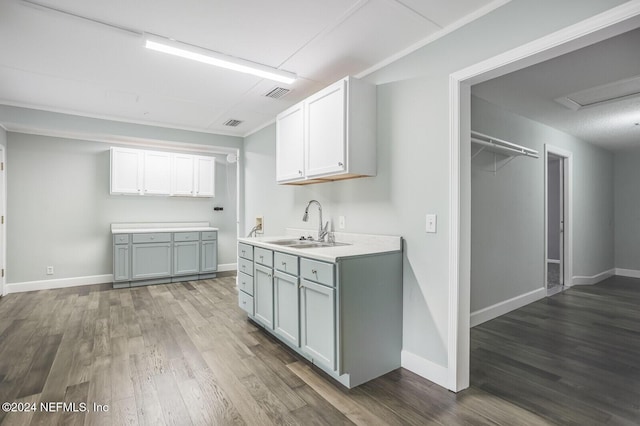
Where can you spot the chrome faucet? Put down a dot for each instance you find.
(322, 231)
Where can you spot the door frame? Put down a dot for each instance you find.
(610, 23)
(566, 254)
(3, 227)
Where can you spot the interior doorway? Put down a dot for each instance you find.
(555, 224)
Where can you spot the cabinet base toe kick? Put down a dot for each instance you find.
(139, 283)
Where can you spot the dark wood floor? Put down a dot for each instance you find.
(185, 354)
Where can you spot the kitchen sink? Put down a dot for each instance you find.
(300, 244)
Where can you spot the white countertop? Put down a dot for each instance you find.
(137, 228)
(359, 245)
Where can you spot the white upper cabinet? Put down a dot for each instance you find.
(157, 173)
(126, 171)
(290, 144)
(142, 172)
(338, 135)
(205, 172)
(326, 131)
(183, 175)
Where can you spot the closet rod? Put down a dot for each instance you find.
(492, 142)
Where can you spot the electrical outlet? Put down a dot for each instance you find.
(341, 222)
(431, 223)
(49, 270)
(259, 225)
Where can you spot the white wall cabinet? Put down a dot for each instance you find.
(289, 144)
(336, 136)
(142, 172)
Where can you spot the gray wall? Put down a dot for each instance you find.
(507, 210)
(553, 208)
(59, 208)
(3, 137)
(627, 210)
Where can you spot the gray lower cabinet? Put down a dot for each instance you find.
(345, 317)
(317, 320)
(286, 307)
(263, 295)
(154, 258)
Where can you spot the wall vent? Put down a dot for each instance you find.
(277, 92)
(232, 122)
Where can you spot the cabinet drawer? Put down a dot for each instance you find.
(245, 251)
(245, 266)
(286, 263)
(185, 236)
(209, 235)
(156, 237)
(121, 239)
(319, 272)
(245, 283)
(263, 256)
(245, 301)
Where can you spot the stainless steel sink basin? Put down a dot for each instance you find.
(300, 244)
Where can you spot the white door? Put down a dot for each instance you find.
(126, 171)
(290, 144)
(183, 173)
(326, 131)
(2, 220)
(205, 175)
(157, 173)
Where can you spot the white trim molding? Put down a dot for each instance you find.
(630, 273)
(501, 308)
(594, 279)
(227, 267)
(425, 368)
(58, 283)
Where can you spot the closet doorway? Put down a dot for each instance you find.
(557, 219)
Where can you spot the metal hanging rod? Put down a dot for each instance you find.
(502, 146)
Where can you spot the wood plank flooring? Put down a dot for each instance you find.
(185, 354)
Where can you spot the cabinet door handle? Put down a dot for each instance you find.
(313, 271)
(300, 172)
(284, 263)
(269, 275)
(153, 238)
(340, 164)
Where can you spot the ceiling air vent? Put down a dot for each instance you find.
(233, 122)
(612, 92)
(277, 92)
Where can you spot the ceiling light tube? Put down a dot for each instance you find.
(218, 59)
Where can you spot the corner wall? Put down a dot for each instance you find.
(627, 213)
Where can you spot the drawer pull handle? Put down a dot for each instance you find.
(284, 263)
(313, 271)
(340, 164)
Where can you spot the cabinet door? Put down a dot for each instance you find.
(126, 171)
(263, 295)
(204, 176)
(326, 131)
(290, 144)
(121, 262)
(182, 176)
(317, 319)
(286, 318)
(151, 260)
(186, 258)
(209, 256)
(157, 173)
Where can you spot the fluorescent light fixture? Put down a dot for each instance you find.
(219, 60)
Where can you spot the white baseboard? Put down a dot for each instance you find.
(594, 279)
(631, 273)
(553, 261)
(227, 267)
(501, 308)
(425, 368)
(58, 283)
(78, 281)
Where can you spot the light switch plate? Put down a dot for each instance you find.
(432, 223)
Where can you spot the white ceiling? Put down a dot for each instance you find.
(58, 62)
(530, 92)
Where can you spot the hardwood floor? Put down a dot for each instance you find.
(185, 354)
